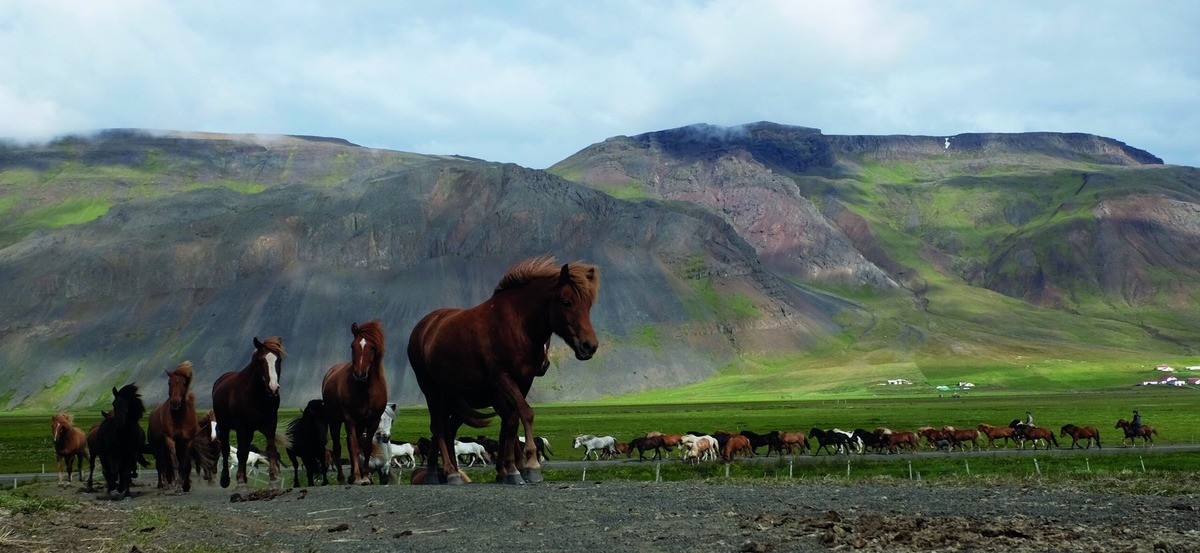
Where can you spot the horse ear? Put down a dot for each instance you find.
(257, 344)
(114, 391)
(354, 328)
(591, 274)
(168, 373)
(564, 276)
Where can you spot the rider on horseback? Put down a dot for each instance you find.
(1136, 425)
(1029, 419)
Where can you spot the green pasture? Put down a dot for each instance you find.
(25, 439)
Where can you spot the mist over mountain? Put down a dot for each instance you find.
(126, 252)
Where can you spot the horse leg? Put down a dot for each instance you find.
(530, 469)
(335, 433)
(507, 469)
(223, 446)
(243, 454)
(183, 464)
(272, 457)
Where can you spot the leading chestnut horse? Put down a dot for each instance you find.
(488, 355)
(247, 401)
(172, 429)
(355, 395)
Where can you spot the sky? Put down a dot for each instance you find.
(534, 82)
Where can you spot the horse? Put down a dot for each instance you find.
(355, 395)
(1143, 431)
(171, 429)
(874, 439)
(590, 443)
(770, 439)
(901, 438)
(467, 359)
(254, 461)
(379, 458)
(120, 439)
(737, 445)
(307, 435)
(403, 455)
(793, 441)
(961, 436)
(543, 446)
(994, 433)
(699, 448)
(70, 444)
(839, 441)
(1086, 433)
(471, 451)
(93, 445)
(206, 448)
(647, 442)
(247, 401)
(1024, 432)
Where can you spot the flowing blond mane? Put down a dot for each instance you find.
(584, 276)
(185, 370)
(275, 345)
(63, 417)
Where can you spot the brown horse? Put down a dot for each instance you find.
(355, 395)
(1086, 433)
(467, 359)
(793, 441)
(901, 438)
(1022, 432)
(247, 401)
(206, 448)
(960, 436)
(994, 433)
(70, 444)
(172, 428)
(93, 445)
(1143, 431)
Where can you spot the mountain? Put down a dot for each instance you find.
(761, 260)
(994, 244)
(126, 252)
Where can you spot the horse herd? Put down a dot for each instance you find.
(696, 446)
(464, 360)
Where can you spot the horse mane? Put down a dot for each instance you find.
(185, 370)
(136, 407)
(274, 344)
(584, 277)
(64, 418)
(373, 331)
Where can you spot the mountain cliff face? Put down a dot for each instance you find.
(198, 243)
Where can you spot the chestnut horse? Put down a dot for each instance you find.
(1144, 432)
(70, 444)
(93, 445)
(467, 359)
(994, 433)
(1086, 433)
(247, 401)
(120, 439)
(355, 395)
(172, 428)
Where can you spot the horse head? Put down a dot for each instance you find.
(179, 382)
(570, 309)
(268, 355)
(1122, 423)
(127, 405)
(58, 423)
(366, 350)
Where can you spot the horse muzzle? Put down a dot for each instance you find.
(175, 405)
(585, 350)
(360, 377)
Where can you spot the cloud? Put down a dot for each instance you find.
(534, 82)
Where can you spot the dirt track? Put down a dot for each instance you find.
(696, 516)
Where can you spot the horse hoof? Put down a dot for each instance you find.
(275, 484)
(514, 479)
(431, 478)
(363, 481)
(454, 479)
(532, 476)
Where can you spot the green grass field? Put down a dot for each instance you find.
(25, 439)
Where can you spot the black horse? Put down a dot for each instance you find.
(870, 439)
(770, 439)
(829, 440)
(307, 435)
(122, 440)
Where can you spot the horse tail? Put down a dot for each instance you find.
(1053, 439)
(546, 443)
(471, 416)
(283, 442)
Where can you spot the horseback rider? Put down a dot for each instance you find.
(1136, 424)
(1029, 419)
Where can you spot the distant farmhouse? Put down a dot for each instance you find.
(899, 382)
(965, 384)
(1165, 368)
(1166, 381)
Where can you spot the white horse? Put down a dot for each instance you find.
(381, 446)
(472, 451)
(403, 456)
(604, 444)
(856, 443)
(254, 461)
(700, 448)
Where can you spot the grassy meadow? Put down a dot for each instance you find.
(25, 438)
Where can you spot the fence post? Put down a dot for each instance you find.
(847, 467)
(790, 465)
(584, 475)
(727, 470)
(1036, 467)
(657, 472)
(968, 467)
(1089, 465)
(910, 473)
(1143, 461)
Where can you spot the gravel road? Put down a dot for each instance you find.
(808, 515)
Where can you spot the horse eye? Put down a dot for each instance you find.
(566, 302)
